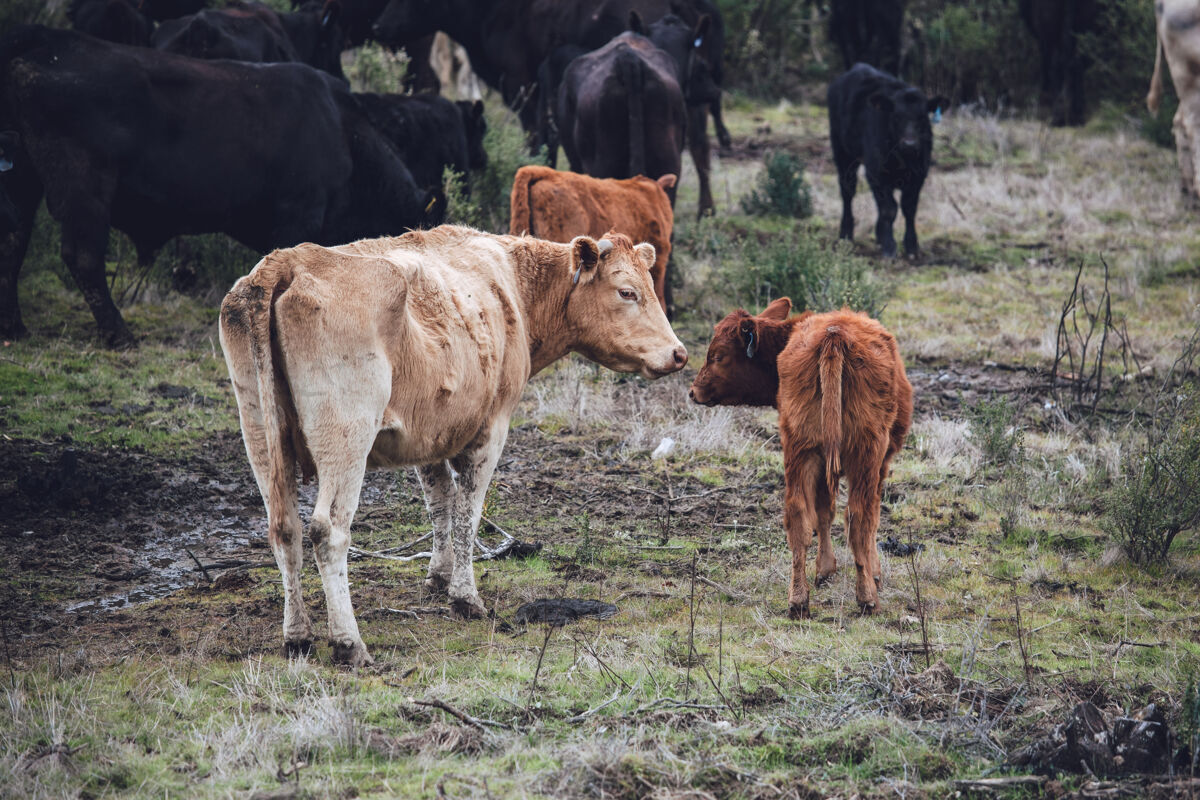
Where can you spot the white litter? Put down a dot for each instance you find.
(664, 448)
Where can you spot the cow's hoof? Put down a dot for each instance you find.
(352, 654)
(823, 579)
(799, 611)
(468, 607)
(868, 609)
(437, 584)
(300, 647)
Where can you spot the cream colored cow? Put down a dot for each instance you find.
(414, 350)
(1178, 23)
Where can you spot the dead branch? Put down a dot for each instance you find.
(474, 722)
(592, 711)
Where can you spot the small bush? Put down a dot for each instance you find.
(481, 200)
(1159, 495)
(376, 68)
(995, 431)
(781, 189)
(817, 276)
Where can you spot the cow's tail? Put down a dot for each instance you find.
(831, 358)
(520, 203)
(1156, 81)
(251, 346)
(633, 81)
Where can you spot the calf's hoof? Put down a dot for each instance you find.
(868, 608)
(468, 607)
(799, 611)
(352, 654)
(437, 584)
(300, 647)
(824, 578)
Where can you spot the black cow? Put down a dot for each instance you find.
(159, 145)
(430, 132)
(868, 31)
(1056, 24)
(255, 32)
(621, 111)
(118, 21)
(510, 40)
(882, 123)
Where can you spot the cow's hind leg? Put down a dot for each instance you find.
(802, 473)
(848, 184)
(826, 501)
(697, 136)
(862, 520)
(474, 466)
(438, 486)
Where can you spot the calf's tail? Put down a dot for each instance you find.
(520, 203)
(832, 356)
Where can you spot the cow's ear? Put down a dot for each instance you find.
(666, 181)
(778, 309)
(635, 23)
(749, 335)
(645, 253)
(585, 255)
(330, 13)
(881, 101)
(937, 104)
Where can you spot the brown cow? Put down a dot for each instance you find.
(845, 407)
(414, 350)
(1179, 45)
(558, 206)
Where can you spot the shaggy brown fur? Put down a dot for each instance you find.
(845, 407)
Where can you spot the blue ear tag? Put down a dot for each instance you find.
(937, 115)
(5, 164)
(575, 279)
(697, 42)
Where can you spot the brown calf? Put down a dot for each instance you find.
(845, 407)
(558, 206)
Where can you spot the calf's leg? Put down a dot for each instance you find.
(474, 466)
(848, 183)
(84, 242)
(438, 486)
(801, 476)
(826, 563)
(909, 197)
(862, 520)
(697, 135)
(24, 193)
(885, 202)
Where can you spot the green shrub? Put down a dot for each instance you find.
(481, 200)
(1158, 497)
(781, 189)
(817, 276)
(995, 431)
(375, 68)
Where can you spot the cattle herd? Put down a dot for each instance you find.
(353, 344)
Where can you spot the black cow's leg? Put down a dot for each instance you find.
(83, 248)
(13, 245)
(848, 183)
(885, 202)
(908, 204)
(697, 134)
(723, 137)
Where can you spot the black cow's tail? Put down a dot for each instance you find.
(633, 82)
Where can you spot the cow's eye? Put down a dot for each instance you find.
(627, 294)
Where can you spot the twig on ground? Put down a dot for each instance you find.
(207, 577)
(474, 722)
(591, 711)
(667, 702)
(538, 668)
(725, 590)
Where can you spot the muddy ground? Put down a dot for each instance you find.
(89, 535)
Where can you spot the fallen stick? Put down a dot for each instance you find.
(591, 711)
(474, 722)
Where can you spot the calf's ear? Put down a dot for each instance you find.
(778, 309)
(937, 104)
(666, 181)
(645, 254)
(881, 101)
(635, 23)
(585, 255)
(330, 13)
(749, 335)
(700, 35)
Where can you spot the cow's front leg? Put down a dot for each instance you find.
(908, 204)
(438, 486)
(474, 466)
(885, 202)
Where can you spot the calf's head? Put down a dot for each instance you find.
(612, 312)
(739, 369)
(904, 114)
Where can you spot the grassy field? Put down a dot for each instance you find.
(700, 686)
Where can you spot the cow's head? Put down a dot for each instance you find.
(476, 128)
(690, 48)
(740, 369)
(904, 113)
(612, 312)
(404, 21)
